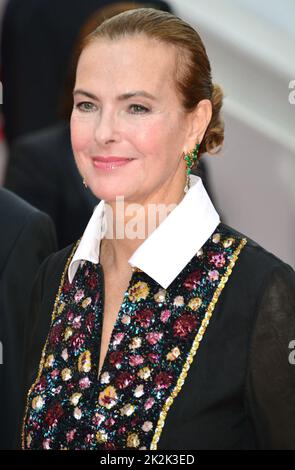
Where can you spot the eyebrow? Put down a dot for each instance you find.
(124, 96)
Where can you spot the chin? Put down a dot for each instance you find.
(110, 193)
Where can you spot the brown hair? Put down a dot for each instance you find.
(193, 71)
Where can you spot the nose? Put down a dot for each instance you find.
(106, 127)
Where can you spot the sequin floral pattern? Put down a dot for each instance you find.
(153, 342)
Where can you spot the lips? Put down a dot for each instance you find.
(111, 159)
(110, 163)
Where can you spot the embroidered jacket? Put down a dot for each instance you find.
(188, 367)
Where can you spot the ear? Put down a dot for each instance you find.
(199, 120)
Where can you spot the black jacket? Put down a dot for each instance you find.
(27, 238)
(239, 391)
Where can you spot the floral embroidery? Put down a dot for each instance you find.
(154, 339)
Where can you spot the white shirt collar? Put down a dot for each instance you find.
(168, 249)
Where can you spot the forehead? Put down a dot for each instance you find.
(127, 63)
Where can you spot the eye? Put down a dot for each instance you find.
(84, 106)
(139, 109)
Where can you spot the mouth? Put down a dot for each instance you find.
(110, 163)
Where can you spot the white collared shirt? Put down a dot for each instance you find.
(169, 248)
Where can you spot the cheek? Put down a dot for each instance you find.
(152, 138)
(161, 143)
(80, 134)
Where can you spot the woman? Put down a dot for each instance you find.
(168, 337)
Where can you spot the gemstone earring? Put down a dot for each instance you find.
(84, 182)
(190, 159)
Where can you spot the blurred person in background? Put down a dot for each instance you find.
(27, 238)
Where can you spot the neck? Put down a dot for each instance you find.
(129, 224)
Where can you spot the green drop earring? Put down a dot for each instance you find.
(190, 159)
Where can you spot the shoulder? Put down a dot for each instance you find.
(16, 212)
(55, 265)
(24, 224)
(253, 256)
(46, 284)
(52, 134)
(14, 206)
(36, 147)
(256, 268)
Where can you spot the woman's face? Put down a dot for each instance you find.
(147, 125)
